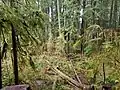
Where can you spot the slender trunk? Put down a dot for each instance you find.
(58, 11)
(64, 16)
(46, 10)
(50, 21)
(119, 19)
(104, 76)
(83, 21)
(52, 14)
(93, 13)
(0, 66)
(111, 10)
(82, 26)
(14, 46)
(64, 22)
(56, 14)
(79, 19)
(0, 58)
(115, 14)
(105, 20)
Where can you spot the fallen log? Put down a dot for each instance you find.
(17, 87)
(71, 80)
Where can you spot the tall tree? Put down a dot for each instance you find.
(105, 13)
(119, 19)
(83, 20)
(83, 24)
(14, 46)
(93, 4)
(58, 12)
(111, 14)
(0, 64)
(115, 14)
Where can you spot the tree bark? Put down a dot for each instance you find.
(111, 10)
(83, 21)
(115, 14)
(82, 26)
(58, 11)
(14, 46)
(93, 13)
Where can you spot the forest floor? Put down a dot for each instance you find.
(41, 76)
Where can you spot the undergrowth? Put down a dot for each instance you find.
(41, 72)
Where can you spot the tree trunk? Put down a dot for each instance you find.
(83, 21)
(111, 10)
(50, 21)
(52, 15)
(104, 76)
(58, 11)
(82, 26)
(93, 13)
(115, 15)
(63, 16)
(0, 66)
(119, 19)
(105, 20)
(14, 46)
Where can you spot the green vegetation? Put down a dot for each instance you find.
(60, 44)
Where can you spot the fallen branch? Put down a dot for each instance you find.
(67, 78)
